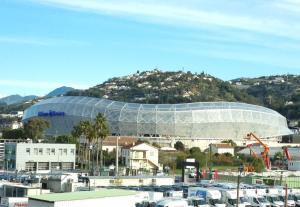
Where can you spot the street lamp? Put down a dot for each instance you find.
(240, 170)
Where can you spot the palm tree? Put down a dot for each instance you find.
(101, 132)
(85, 128)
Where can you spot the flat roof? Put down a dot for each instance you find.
(82, 195)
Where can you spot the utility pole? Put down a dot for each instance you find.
(240, 169)
(286, 196)
(117, 157)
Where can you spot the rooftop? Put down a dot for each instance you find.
(82, 195)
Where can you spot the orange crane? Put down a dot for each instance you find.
(287, 153)
(265, 153)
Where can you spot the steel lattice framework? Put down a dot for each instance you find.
(201, 120)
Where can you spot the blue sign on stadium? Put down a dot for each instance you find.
(51, 113)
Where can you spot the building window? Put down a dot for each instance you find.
(72, 151)
(48, 151)
(53, 151)
(151, 153)
(41, 151)
(60, 151)
(28, 151)
(65, 151)
(36, 151)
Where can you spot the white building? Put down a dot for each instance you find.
(141, 157)
(40, 157)
(222, 148)
(294, 165)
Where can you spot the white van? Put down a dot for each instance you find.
(255, 199)
(211, 196)
(172, 203)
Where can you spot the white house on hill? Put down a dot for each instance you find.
(141, 157)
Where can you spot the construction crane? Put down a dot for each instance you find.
(287, 153)
(265, 153)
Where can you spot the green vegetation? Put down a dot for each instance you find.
(13, 134)
(34, 128)
(258, 164)
(95, 132)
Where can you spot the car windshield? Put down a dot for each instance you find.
(214, 201)
(281, 198)
(232, 201)
(243, 200)
(262, 200)
(290, 197)
(198, 202)
(297, 197)
(272, 199)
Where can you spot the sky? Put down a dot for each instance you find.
(45, 44)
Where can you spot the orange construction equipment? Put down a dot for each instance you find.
(287, 153)
(265, 153)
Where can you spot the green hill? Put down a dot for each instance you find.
(167, 87)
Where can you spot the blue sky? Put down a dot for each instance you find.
(45, 44)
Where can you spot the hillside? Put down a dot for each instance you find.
(14, 99)
(59, 91)
(281, 93)
(167, 87)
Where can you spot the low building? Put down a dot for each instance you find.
(222, 148)
(2, 148)
(103, 197)
(141, 157)
(39, 157)
(294, 165)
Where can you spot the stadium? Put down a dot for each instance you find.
(204, 122)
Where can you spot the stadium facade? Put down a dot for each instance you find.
(191, 122)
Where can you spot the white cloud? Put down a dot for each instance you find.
(2, 95)
(39, 85)
(192, 13)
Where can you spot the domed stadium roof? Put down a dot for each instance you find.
(228, 120)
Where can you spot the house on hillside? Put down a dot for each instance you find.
(140, 158)
(222, 148)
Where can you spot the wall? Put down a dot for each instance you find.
(131, 181)
(35, 203)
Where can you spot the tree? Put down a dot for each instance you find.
(13, 134)
(230, 142)
(195, 150)
(84, 128)
(278, 156)
(258, 164)
(65, 139)
(34, 128)
(155, 144)
(101, 132)
(179, 146)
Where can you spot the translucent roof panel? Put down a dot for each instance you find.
(192, 120)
